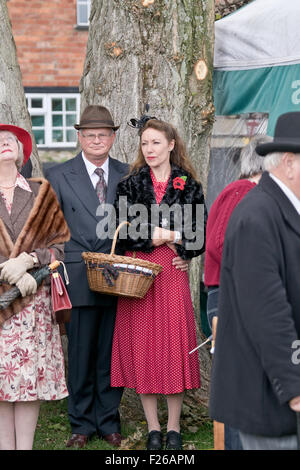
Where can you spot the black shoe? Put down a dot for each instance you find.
(154, 441)
(174, 441)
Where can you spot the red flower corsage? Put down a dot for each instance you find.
(179, 182)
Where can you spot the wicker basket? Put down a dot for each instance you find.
(135, 276)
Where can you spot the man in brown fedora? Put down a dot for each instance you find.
(81, 184)
(255, 384)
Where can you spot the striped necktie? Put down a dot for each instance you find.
(101, 185)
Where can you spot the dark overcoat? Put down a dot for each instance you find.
(256, 366)
(136, 202)
(79, 203)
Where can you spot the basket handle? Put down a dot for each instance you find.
(112, 251)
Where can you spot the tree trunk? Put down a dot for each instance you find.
(155, 52)
(225, 7)
(13, 108)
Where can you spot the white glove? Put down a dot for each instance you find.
(27, 285)
(14, 268)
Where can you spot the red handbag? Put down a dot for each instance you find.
(61, 303)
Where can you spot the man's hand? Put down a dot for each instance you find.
(295, 404)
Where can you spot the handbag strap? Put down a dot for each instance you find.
(52, 255)
(57, 282)
(61, 262)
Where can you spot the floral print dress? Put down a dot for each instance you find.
(31, 355)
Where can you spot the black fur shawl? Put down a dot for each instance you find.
(138, 189)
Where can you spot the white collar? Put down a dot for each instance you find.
(288, 192)
(90, 167)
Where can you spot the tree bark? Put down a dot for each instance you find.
(13, 108)
(225, 7)
(155, 52)
(140, 54)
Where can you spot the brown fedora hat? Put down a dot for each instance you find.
(95, 116)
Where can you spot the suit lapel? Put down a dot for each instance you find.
(172, 195)
(113, 180)
(20, 201)
(80, 183)
(4, 216)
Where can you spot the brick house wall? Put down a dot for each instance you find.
(50, 47)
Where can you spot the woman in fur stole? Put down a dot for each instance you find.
(153, 335)
(31, 356)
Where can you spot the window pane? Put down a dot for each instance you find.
(38, 121)
(57, 136)
(70, 119)
(60, 112)
(70, 104)
(56, 104)
(36, 102)
(57, 120)
(39, 136)
(82, 14)
(71, 135)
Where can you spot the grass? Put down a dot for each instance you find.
(53, 431)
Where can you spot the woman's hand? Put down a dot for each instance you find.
(27, 285)
(14, 268)
(161, 236)
(180, 263)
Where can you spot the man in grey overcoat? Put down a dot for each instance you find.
(81, 184)
(255, 384)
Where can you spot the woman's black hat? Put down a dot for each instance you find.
(140, 123)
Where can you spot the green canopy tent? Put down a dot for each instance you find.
(257, 60)
(256, 78)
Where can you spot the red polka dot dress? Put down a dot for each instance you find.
(153, 335)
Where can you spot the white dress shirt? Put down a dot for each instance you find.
(90, 168)
(288, 192)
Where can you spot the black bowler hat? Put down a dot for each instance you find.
(286, 136)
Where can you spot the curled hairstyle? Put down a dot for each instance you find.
(178, 155)
(20, 159)
(251, 163)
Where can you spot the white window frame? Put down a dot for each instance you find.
(87, 4)
(46, 111)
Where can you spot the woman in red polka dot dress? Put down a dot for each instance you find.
(153, 335)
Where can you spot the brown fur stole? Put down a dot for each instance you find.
(44, 227)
